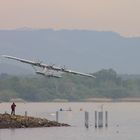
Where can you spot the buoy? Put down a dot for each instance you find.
(81, 109)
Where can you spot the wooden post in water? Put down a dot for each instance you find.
(26, 118)
(100, 119)
(57, 113)
(86, 119)
(96, 119)
(25, 113)
(106, 118)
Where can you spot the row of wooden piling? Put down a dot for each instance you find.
(100, 120)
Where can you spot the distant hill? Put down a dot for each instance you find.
(82, 50)
(14, 69)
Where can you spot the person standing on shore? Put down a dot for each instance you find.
(13, 106)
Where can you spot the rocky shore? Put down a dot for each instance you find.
(18, 121)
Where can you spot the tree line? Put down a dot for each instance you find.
(107, 84)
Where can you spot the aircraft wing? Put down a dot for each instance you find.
(33, 63)
(22, 60)
(78, 73)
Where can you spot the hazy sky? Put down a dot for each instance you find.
(122, 16)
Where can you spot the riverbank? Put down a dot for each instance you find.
(18, 121)
(132, 99)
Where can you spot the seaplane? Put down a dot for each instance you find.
(47, 70)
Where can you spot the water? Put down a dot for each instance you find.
(123, 122)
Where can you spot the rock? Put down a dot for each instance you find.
(18, 121)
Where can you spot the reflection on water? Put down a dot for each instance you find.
(124, 121)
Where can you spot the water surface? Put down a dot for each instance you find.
(123, 121)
